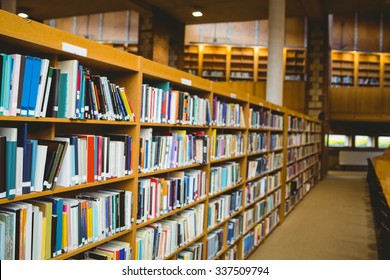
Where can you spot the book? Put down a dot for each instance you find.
(69, 87)
(11, 140)
(3, 162)
(35, 81)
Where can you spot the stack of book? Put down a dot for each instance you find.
(112, 250)
(226, 145)
(227, 114)
(257, 142)
(255, 190)
(258, 166)
(192, 252)
(235, 229)
(214, 243)
(222, 207)
(225, 176)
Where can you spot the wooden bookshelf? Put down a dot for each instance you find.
(386, 70)
(236, 63)
(132, 72)
(342, 73)
(295, 64)
(369, 70)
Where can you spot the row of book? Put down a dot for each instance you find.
(159, 196)
(112, 250)
(232, 253)
(214, 243)
(227, 114)
(273, 200)
(299, 166)
(276, 142)
(255, 190)
(161, 104)
(264, 118)
(275, 161)
(258, 166)
(37, 165)
(224, 176)
(274, 181)
(295, 154)
(257, 142)
(295, 123)
(158, 152)
(163, 238)
(298, 139)
(47, 227)
(254, 214)
(234, 229)
(222, 207)
(31, 87)
(226, 145)
(192, 252)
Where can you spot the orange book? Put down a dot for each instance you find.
(90, 157)
(65, 231)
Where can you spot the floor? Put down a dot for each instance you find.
(333, 222)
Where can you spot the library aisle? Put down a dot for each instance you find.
(334, 222)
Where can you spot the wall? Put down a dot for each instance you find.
(253, 33)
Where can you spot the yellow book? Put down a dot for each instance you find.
(43, 256)
(110, 255)
(126, 103)
(65, 231)
(213, 143)
(89, 222)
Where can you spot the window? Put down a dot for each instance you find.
(338, 140)
(383, 142)
(363, 141)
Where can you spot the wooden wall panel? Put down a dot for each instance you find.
(243, 33)
(368, 32)
(192, 33)
(82, 26)
(114, 26)
(94, 27)
(134, 26)
(342, 101)
(65, 24)
(368, 101)
(263, 33)
(343, 31)
(295, 32)
(294, 95)
(386, 33)
(386, 101)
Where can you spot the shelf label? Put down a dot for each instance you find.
(66, 47)
(261, 104)
(233, 95)
(186, 82)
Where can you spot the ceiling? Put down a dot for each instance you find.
(213, 10)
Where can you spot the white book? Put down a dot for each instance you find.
(82, 157)
(41, 86)
(65, 175)
(128, 208)
(107, 95)
(70, 67)
(15, 85)
(37, 234)
(19, 171)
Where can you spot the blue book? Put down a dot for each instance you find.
(11, 141)
(62, 95)
(34, 146)
(27, 79)
(7, 83)
(82, 94)
(35, 80)
(57, 210)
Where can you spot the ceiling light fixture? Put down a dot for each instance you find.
(23, 15)
(197, 13)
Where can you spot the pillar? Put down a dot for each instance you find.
(8, 5)
(275, 70)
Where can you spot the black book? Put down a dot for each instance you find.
(115, 102)
(3, 151)
(27, 158)
(52, 105)
(50, 156)
(99, 91)
(95, 255)
(53, 235)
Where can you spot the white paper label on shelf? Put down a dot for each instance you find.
(233, 95)
(66, 47)
(261, 104)
(186, 82)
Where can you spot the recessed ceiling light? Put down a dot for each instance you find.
(23, 15)
(197, 13)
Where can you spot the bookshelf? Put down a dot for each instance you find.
(386, 70)
(226, 130)
(295, 64)
(369, 70)
(342, 73)
(240, 63)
